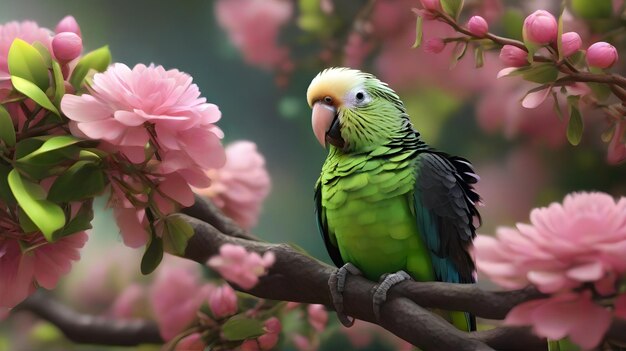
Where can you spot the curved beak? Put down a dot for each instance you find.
(326, 126)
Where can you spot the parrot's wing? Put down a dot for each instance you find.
(445, 208)
(322, 225)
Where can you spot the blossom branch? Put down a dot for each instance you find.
(83, 328)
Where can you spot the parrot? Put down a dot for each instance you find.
(388, 206)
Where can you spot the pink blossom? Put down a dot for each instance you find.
(617, 149)
(601, 55)
(133, 225)
(478, 26)
(21, 273)
(191, 342)
(499, 110)
(356, 50)
(223, 301)
(129, 303)
(28, 31)
(250, 345)
(570, 43)
(434, 45)
(176, 295)
(68, 24)
(239, 266)
(318, 317)
(66, 46)
(434, 5)
(127, 108)
(302, 343)
(565, 246)
(239, 187)
(253, 27)
(269, 340)
(540, 27)
(512, 56)
(569, 314)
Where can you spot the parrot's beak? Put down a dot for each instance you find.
(326, 126)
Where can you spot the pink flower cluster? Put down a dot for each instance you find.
(239, 266)
(21, 272)
(253, 26)
(149, 108)
(239, 187)
(565, 247)
(28, 31)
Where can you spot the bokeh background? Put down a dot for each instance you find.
(522, 155)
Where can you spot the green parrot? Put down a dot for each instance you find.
(386, 202)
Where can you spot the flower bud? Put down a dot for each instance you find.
(434, 45)
(570, 42)
(68, 24)
(601, 55)
(66, 46)
(223, 301)
(318, 317)
(512, 56)
(478, 26)
(540, 27)
(434, 5)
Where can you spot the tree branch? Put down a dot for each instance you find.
(83, 328)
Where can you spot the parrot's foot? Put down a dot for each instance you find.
(386, 283)
(337, 283)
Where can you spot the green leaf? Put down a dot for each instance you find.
(27, 63)
(459, 51)
(419, 32)
(240, 327)
(80, 222)
(47, 216)
(26, 146)
(5, 190)
(97, 60)
(7, 130)
(559, 40)
(512, 21)
(600, 90)
(59, 87)
(452, 7)
(83, 180)
(43, 50)
(34, 92)
(153, 255)
(177, 233)
(541, 73)
(26, 224)
(575, 126)
(557, 106)
(590, 9)
(53, 144)
(479, 56)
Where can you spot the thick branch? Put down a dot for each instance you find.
(298, 277)
(82, 328)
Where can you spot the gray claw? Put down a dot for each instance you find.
(337, 282)
(388, 281)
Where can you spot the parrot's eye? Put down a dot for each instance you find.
(360, 96)
(328, 99)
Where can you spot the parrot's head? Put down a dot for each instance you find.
(354, 111)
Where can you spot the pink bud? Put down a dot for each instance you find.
(318, 317)
(478, 26)
(601, 55)
(68, 24)
(249, 345)
(223, 301)
(66, 46)
(191, 342)
(570, 43)
(268, 341)
(434, 5)
(512, 56)
(434, 45)
(540, 27)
